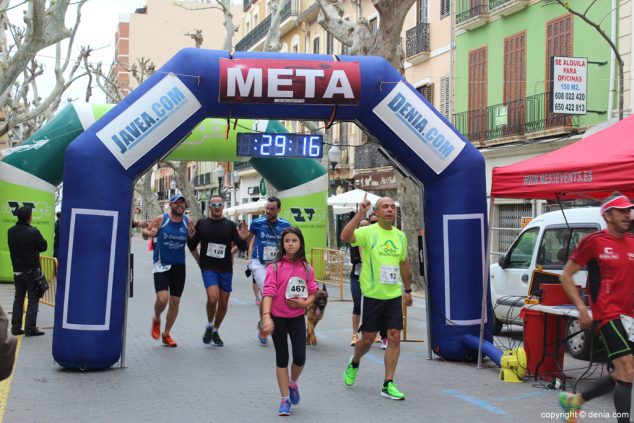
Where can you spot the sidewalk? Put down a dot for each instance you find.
(236, 383)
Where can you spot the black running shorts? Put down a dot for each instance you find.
(615, 339)
(377, 314)
(172, 280)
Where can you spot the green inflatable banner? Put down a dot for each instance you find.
(30, 173)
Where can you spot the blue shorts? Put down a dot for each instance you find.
(223, 280)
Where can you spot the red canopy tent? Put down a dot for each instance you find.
(593, 167)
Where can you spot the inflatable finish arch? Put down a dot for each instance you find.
(196, 84)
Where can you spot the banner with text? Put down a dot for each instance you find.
(289, 81)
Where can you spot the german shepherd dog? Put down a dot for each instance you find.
(314, 313)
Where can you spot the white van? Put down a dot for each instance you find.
(547, 242)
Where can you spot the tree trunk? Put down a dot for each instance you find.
(151, 208)
(409, 197)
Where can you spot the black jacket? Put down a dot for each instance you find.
(25, 245)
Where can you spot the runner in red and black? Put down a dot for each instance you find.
(609, 257)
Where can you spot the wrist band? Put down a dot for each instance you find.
(408, 291)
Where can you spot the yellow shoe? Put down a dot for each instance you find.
(378, 338)
(354, 340)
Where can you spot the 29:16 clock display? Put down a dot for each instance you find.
(280, 145)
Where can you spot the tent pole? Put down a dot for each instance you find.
(562, 210)
(485, 282)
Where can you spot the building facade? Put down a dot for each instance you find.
(502, 84)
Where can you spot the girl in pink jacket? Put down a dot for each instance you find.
(289, 288)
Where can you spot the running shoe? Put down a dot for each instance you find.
(285, 408)
(168, 341)
(384, 343)
(215, 336)
(354, 340)
(156, 329)
(391, 391)
(257, 301)
(207, 335)
(571, 404)
(377, 339)
(350, 375)
(293, 393)
(261, 337)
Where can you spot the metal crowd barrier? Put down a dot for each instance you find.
(49, 269)
(328, 265)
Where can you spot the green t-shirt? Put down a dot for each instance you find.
(383, 252)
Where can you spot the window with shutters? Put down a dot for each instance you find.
(445, 8)
(316, 45)
(330, 44)
(558, 43)
(427, 91)
(477, 101)
(445, 96)
(515, 84)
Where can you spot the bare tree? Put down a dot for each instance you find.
(113, 89)
(597, 26)
(272, 40)
(20, 68)
(230, 27)
(197, 36)
(358, 37)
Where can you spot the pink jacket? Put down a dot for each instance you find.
(275, 287)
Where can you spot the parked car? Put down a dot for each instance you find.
(545, 242)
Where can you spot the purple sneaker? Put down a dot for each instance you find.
(293, 393)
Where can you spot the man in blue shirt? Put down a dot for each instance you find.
(172, 231)
(264, 234)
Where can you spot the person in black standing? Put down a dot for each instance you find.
(355, 288)
(56, 235)
(25, 245)
(216, 234)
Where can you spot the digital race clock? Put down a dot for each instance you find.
(280, 145)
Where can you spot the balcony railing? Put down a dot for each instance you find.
(522, 117)
(242, 166)
(507, 7)
(366, 157)
(467, 9)
(203, 179)
(290, 8)
(495, 3)
(417, 40)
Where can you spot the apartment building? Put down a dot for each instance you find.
(502, 85)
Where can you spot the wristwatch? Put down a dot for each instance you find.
(408, 291)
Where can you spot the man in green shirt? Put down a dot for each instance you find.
(384, 274)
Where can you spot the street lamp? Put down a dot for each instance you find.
(173, 187)
(219, 173)
(334, 155)
(236, 181)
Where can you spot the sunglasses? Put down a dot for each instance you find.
(215, 204)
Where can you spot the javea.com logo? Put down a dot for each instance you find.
(149, 120)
